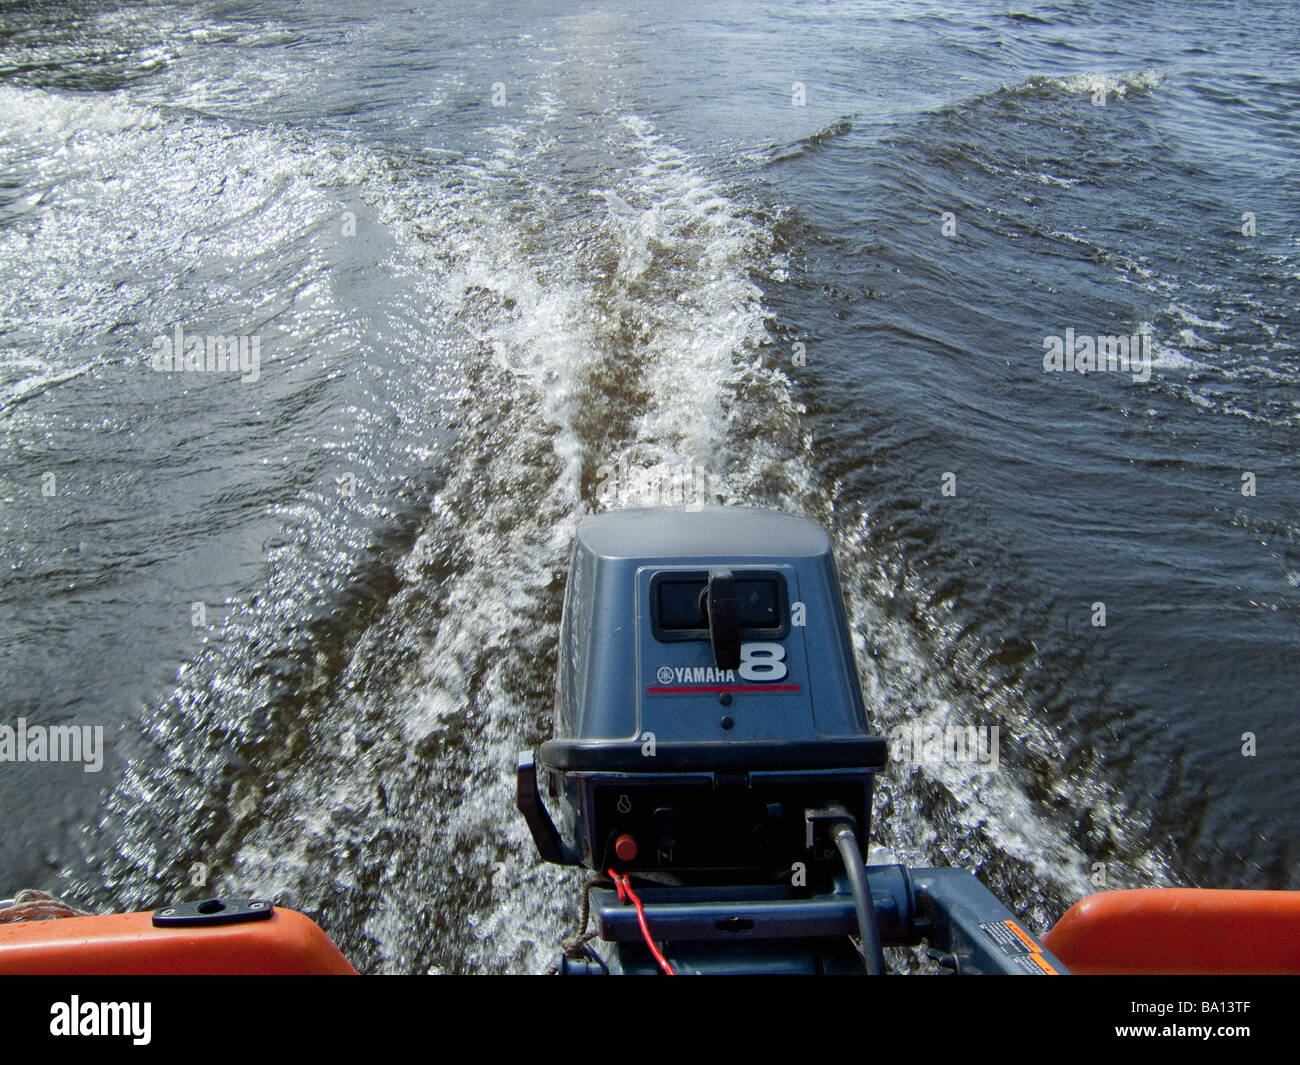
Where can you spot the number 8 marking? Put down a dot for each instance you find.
(762, 661)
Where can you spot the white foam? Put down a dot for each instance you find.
(681, 255)
(51, 117)
(1121, 84)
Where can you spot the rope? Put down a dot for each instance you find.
(575, 944)
(30, 903)
(626, 894)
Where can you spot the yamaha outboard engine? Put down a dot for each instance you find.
(711, 743)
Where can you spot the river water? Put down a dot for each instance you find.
(809, 255)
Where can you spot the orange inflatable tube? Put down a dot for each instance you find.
(1180, 931)
(128, 943)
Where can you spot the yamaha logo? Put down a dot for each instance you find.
(665, 675)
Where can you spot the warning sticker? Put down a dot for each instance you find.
(1036, 965)
(1043, 964)
(1020, 946)
(1004, 934)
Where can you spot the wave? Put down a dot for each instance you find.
(798, 149)
(1103, 85)
(29, 388)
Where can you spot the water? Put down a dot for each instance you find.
(483, 257)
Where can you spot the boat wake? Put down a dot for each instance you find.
(582, 304)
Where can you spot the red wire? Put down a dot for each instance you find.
(626, 894)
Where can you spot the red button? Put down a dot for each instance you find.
(625, 848)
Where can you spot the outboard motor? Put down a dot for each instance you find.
(711, 741)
